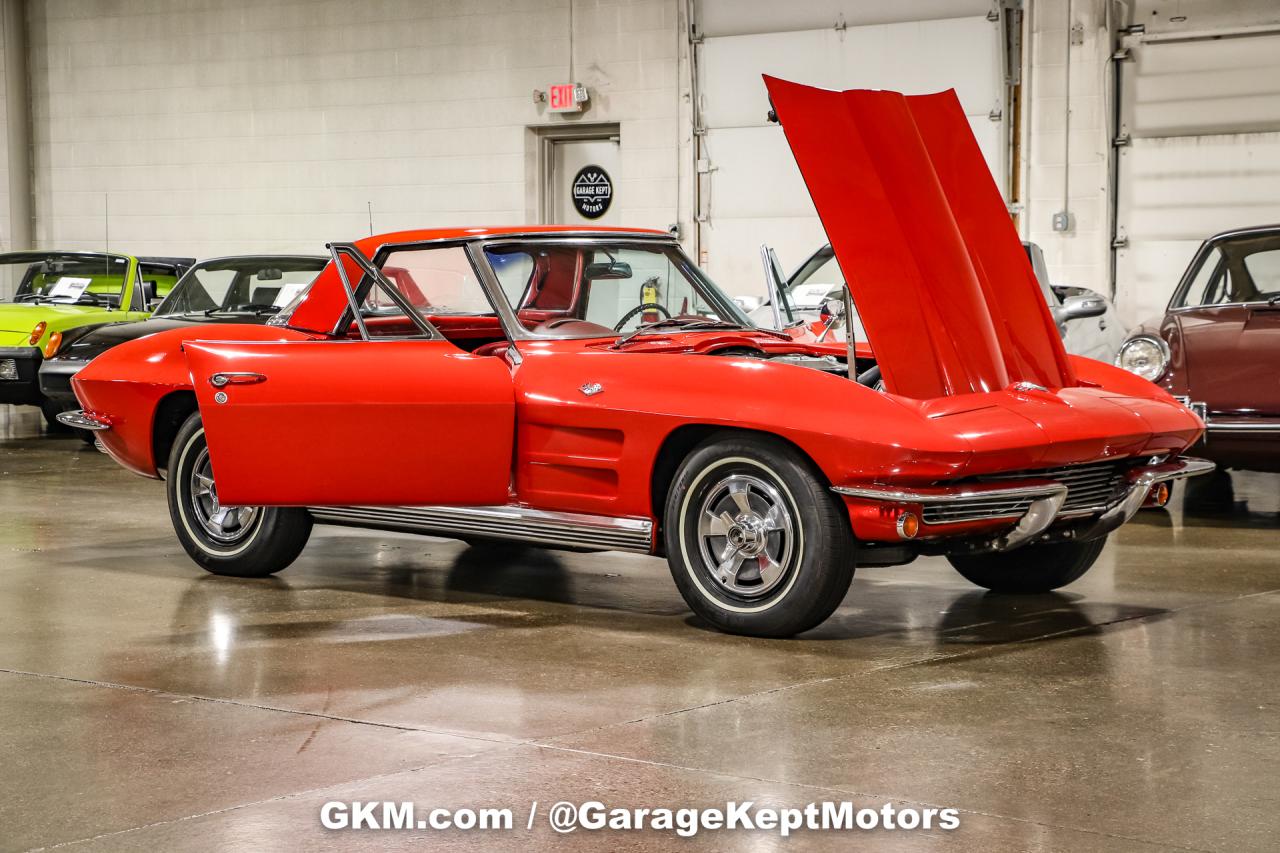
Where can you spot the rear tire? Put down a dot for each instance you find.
(757, 543)
(1032, 569)
(242, 542)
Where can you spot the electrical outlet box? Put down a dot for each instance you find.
(1062, 221)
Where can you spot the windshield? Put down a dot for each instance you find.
(64, 279)
(261, 284)
(1240, 270)
(597, 290)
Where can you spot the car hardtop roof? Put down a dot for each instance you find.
(33, 254)
(291, 256)
(1243, 232)
(370, 245)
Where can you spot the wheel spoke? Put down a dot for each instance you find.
(730, 562)
(219, 519)
(715, 525)
(774, 519)
(739, 492)
(770, 571)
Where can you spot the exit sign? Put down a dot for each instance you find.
(566, 97)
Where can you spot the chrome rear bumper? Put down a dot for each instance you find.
(1033, 505)
(83, 420)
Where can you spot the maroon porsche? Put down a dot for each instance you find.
(1217, 347)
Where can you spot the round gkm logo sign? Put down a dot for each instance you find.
(592, 191)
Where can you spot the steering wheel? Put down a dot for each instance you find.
(640, 309)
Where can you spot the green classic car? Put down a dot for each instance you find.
(49, 298)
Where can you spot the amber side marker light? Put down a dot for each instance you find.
(37, 333)
(1159, 494)
(55, 341)
(908, 525)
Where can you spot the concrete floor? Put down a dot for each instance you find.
(146, 705)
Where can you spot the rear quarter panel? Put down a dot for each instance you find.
(125, 385)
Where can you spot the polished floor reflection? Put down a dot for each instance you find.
(146, 705)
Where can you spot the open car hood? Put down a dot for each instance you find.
(942, 285)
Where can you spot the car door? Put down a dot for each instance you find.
(342, 423)
(383, 410)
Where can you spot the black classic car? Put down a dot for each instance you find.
(237, 289)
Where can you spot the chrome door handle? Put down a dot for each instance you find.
(220, 380)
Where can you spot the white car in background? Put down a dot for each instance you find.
(1086, 320)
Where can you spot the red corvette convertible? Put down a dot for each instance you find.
(594, 390)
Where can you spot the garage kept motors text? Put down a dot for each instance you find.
(592, 191)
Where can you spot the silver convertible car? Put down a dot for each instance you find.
(1086, 320)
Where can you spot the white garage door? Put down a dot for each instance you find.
(1203, 117)
(752, 191)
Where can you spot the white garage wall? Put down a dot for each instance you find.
(1175, 178)
(1079, 156)
(1204, 119)
(752, 192)
(243, 125)
(6, 242)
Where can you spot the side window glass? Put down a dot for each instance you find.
(1206, 288)
(1264, 269)
(436, 281)
(514, 271)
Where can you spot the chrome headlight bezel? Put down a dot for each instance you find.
(1160, 364)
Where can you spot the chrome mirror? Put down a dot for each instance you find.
(1080, 307)
(833, 316)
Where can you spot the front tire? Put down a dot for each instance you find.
(757, 543)
(242, 542)
(1031, 569)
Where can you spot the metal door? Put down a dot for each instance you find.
(589, 170)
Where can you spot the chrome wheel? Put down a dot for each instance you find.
(220, 523)
(746, 535)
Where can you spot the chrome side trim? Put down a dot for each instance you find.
(573, 530)
(83, 420)
(944, 495)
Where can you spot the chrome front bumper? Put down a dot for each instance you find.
(83, 420)
(1032, 505)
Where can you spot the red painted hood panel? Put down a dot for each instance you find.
(1013, 430)
(941, 282)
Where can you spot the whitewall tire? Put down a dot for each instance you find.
(756, 541)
